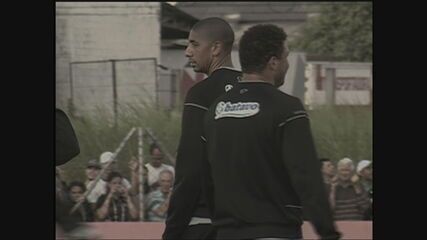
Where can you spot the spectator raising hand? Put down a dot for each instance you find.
(134, 166)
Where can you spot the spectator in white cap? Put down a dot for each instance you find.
(100, 187)
(349, 200)
(105, 158)
(364, 170)
(92, 170)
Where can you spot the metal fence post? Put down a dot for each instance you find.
(330, 86)
(113, 68)
(141, 174)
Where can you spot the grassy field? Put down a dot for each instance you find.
(97, 133)
(338, 132)
(343, 132)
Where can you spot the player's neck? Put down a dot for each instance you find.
(224, 61)
(255, 77)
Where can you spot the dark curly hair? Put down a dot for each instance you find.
(77, 184)
(258, 44)
(154, 146)
(113, 175)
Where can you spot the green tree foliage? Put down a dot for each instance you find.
(341, 30)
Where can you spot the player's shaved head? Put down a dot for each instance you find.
(216, 29)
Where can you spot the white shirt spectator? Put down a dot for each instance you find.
(153, 173)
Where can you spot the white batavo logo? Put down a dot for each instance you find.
(236, 110)
(228, 87)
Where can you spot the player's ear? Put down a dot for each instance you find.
(217, 47)
(273, 63)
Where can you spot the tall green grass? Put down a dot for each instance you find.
(338, 132)
(97, 133)
(342, 131)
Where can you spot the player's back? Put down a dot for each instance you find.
(242, 130)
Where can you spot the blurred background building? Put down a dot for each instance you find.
(113, 53)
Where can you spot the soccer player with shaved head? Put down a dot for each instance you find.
(209, 51)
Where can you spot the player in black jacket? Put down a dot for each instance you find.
(261, 153)
(209, 49)
(66, 148)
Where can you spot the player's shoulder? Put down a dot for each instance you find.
(196, 93)
(220, 81)
(223, 79)
(287, 98)
(198, 87)
(287, 103)
(226, 72)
